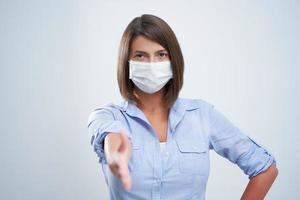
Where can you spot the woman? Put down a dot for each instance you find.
(155, 145)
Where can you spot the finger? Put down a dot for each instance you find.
(125, 177)
(116, 162)
(127, 182)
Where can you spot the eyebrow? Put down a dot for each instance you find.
(158, 51)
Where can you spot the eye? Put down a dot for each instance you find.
(163, 54)
(139, 56)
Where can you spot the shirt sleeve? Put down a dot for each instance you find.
(230, 142)
(101, 122)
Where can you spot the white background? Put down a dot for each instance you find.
(58, 62)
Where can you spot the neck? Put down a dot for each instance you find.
(151, 103)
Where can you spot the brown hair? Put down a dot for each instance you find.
(157, 30)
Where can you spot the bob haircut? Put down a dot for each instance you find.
(157, 30)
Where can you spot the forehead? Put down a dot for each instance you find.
(141, 43)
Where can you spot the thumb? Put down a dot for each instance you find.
(125, 144)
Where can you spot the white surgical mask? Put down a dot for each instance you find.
(150, 77)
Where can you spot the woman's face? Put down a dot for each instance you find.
(145, 50)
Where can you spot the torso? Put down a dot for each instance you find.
(177, 170)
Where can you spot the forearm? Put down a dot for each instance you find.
(259, 185)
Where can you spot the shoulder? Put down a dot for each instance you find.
(190, 104)
(110, 109)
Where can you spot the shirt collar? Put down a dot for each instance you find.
(179, 104)
(177, 111)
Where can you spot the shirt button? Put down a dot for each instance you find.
(95, 130)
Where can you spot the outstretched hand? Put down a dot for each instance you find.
(118, 151)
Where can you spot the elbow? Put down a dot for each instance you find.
(273, 171)
(276, 171)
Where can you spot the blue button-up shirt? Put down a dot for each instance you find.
(181, 170)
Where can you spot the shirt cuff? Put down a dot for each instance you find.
(97, 140)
